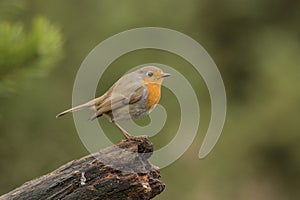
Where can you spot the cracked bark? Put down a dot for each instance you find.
(121, 171)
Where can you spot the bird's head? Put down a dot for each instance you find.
(152, 74)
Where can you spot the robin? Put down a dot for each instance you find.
(134, 95)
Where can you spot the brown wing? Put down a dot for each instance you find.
(115, 99)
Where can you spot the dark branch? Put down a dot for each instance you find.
(117, 172)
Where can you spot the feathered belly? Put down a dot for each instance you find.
(140, 108)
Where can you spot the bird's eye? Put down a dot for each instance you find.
(150, 74)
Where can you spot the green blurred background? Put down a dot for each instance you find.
(255, 44)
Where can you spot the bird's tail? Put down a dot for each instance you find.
(89, 104)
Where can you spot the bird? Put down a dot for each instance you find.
(134, 95)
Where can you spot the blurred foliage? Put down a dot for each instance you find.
(10, 8)
(256, 45)
(27, 55)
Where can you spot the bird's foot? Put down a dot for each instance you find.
(127, 135)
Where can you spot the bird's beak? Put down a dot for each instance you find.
(165, 75)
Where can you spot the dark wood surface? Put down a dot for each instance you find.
(117, 172)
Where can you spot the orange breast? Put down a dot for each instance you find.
(153, 94)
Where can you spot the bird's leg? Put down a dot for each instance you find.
(126, 135)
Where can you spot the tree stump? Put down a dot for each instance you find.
(117, 172)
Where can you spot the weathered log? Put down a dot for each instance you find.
(117, 172)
